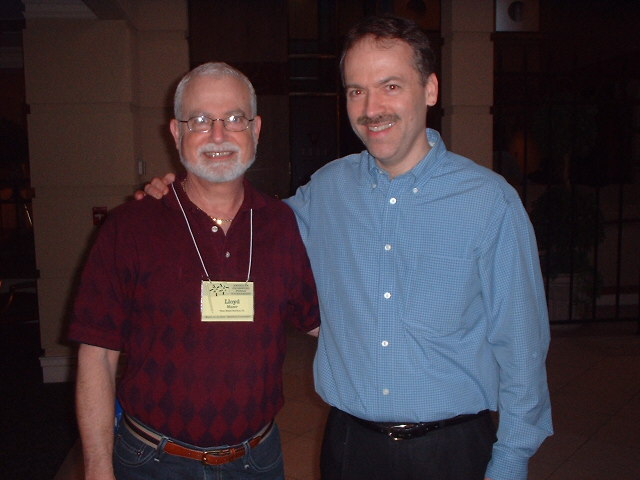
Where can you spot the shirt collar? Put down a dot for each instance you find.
(421, 172)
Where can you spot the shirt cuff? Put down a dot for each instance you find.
(504, 466)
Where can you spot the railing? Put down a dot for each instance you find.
(566, 141)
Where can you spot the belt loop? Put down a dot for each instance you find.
(247, 449)
(160, 449)
(246, 446)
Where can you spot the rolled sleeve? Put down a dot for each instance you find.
(519, 336)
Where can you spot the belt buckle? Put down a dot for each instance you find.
(400, 432)
(398, 435)
(409, 431)
(222, 452)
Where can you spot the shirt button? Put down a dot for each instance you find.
(375, 185)
(228, 254)
(385, 391)
(214, 229)
(393, 201)
(387, 247)
(415, 190)
(387, 295)
(384, 343)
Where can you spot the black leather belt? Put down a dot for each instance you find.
(407, 431)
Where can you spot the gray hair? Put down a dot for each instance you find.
(218, 69)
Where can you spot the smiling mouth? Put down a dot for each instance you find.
(218, 154)
(379, 123)
(380, 128)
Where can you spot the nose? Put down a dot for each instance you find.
(217, 132)
(373, 104)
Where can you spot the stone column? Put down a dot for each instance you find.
(467, 74)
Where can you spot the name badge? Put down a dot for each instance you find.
(227, 301)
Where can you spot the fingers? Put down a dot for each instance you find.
(158, 187)
(168, 179)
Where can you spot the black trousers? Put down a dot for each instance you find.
(351, 451)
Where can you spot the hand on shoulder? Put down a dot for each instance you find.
(156, 188)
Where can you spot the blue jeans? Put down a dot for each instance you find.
(135, 460)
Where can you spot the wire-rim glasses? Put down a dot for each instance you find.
(203, 124)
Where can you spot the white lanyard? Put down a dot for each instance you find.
(196, 245)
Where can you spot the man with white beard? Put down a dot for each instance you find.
(195, 289)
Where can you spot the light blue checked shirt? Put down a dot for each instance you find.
(431, 297)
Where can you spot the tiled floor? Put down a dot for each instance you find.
(594, 377)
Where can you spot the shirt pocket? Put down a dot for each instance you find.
(443, 293)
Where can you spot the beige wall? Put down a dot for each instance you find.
(99, 93)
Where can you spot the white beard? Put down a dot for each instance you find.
(217, 172)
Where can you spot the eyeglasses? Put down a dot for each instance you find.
(202, 123)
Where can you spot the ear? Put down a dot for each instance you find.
(174, 126)
(431, 90)
(256, 125)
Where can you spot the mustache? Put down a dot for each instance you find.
(365, 121)
(218, 147)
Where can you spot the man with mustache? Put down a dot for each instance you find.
(195, 290)
(432, 302)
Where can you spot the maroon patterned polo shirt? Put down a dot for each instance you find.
(205, 383)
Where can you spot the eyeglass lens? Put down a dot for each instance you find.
(234, 123)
